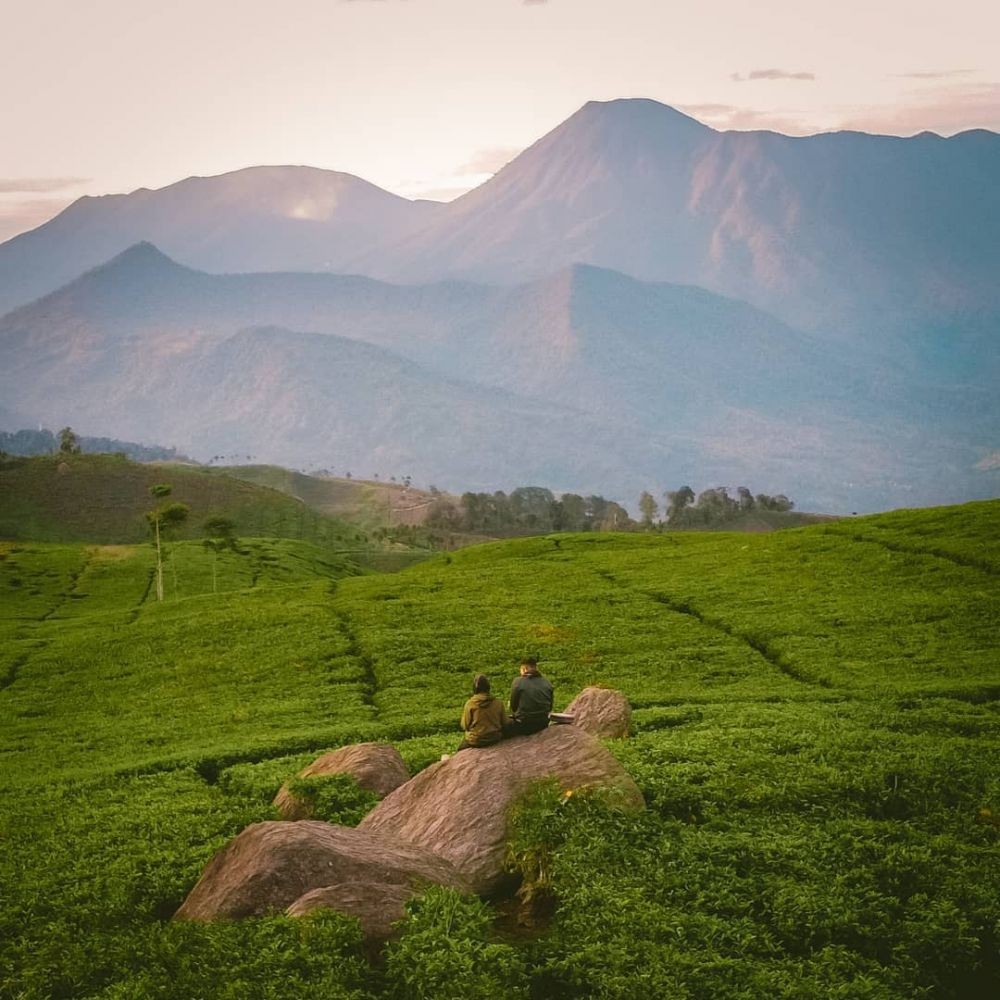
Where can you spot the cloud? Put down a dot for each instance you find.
(18, 216)
(488, 161)
(770, 74)
(732, 116)
(934, 75)
(991, 461)
(944, 109)
(39, 185)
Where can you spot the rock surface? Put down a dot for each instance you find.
(377, 905)
(375, 766)
(457, 809)
(269, 866)
(601, 711)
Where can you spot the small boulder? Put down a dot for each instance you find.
(601, 711)
(377, 905)
(271, 865)
(457, 809)
(375, 766)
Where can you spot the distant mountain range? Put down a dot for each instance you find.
(636, 300)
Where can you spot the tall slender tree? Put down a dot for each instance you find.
(161, 519)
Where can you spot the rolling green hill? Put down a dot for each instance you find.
(816, 736)
(103, 499)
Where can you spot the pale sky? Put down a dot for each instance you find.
(428, 97)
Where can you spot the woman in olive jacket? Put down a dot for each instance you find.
(483, 717)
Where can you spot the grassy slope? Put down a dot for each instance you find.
(368, 504)
(98, 498)
(817, 735)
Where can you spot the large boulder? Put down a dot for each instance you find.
(271, 865)
(457, 809)
(377, 905)
(375, 766)
(601, 711)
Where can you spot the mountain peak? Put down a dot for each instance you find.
(640, 112)
(142, 255)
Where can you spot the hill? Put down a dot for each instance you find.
(816, 738)
(104, 499)
(258, 219)
(876, 240)
(587, 380)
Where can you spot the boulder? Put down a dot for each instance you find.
(375, 766)
(377, 905)
(271, 865)
(601, 711)
(457, 809)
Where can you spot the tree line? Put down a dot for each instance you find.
(527, 510)
(683, 509)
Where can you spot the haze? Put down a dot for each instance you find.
(427, 98)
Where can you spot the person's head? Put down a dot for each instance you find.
(529, 665)
(481, 684)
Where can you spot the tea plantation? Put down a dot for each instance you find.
(817, 736)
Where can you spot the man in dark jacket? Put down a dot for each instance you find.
(530, 701)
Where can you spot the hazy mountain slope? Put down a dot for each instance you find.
(588, 380)
(258, 219)
(842, 229)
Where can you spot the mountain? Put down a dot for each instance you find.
(258, 219)
(586, 380)
(844, 232)
(875, 240)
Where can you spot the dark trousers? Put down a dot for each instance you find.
(466, 745)
(526, 726)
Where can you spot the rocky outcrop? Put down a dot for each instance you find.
(457, 809)
(377, 905)
(270, 866)
(601, 711)
(375, 766)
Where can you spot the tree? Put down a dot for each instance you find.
(161, 519)
(649, 508)
(677, 503)
(69, 443)
(221, 533)
(746, 500)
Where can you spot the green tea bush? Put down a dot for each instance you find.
(335, 798)
(446, 951)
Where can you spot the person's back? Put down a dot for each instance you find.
(483, 717)
(530, 701)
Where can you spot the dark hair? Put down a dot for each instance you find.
(529, 661)
(481, 684)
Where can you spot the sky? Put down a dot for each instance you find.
(428, 98)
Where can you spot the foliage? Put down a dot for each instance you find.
(335, 798)
(817, 740)
(445, 952)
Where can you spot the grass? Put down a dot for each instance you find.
(103, 499)
(817, 738)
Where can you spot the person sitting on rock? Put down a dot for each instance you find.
(530, 701)
(483, 717)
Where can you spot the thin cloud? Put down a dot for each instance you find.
(947, 110)
(934, 74)
(732, 116)
(771, 74)
(489, 161)
(39, 185)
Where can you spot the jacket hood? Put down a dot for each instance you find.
(481, 699)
